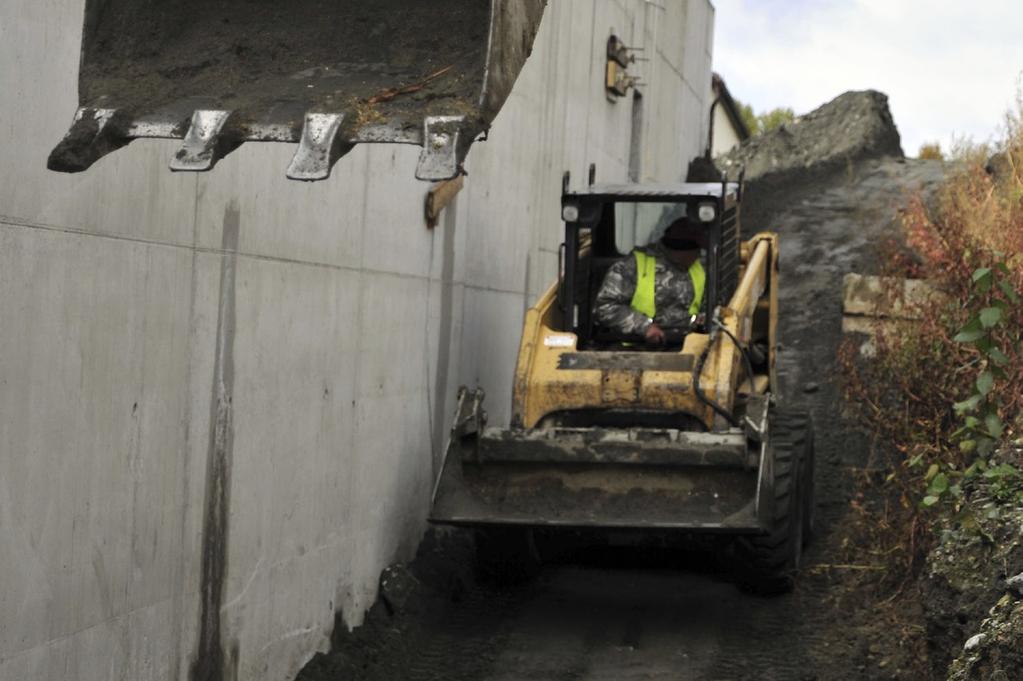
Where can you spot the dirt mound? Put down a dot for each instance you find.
(812, 154)
(852, 127)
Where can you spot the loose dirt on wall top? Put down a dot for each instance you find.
(248, 55)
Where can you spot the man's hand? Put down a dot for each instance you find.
(654, 335)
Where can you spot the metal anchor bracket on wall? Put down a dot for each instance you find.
(617, 79)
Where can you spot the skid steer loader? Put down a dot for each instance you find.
(325, 75)
(607, 435)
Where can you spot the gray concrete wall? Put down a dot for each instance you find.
(261, 367)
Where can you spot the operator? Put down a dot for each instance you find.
(657, 287)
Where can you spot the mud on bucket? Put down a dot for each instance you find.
(325, 74)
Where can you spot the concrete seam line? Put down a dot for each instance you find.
(15, 223)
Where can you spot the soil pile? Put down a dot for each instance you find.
(812, 153)
(852, 127)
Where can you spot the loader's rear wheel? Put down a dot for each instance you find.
(770, 561)
(506, 555)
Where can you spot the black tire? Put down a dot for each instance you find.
(809, 497)
(506, 555)
(770, 561)
(794, 431)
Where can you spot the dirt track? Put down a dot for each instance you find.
(659, 615)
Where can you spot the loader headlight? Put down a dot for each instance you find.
(707, 212)
(570, 212)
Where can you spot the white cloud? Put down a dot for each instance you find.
(949, 68)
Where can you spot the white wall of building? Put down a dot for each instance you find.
(311, 336)
(725, 138)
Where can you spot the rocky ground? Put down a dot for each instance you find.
(973, 590)
(651, 614)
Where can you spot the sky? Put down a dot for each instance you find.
(951, 68)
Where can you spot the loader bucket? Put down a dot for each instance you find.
(638, 478)
(325, 74)
(599, 479)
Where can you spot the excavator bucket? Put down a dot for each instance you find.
(325, 74)
(614, 478)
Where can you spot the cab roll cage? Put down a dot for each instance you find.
(585, 209)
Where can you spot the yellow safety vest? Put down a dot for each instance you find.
(643, 298)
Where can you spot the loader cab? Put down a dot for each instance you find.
(603, 223)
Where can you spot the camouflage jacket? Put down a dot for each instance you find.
(673, 294)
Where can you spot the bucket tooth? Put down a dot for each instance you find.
(205, 142)
(93, 134)
(320, 147)
(443, 150)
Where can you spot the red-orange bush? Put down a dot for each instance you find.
(905, 393)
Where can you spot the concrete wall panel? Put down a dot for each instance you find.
(95, 467)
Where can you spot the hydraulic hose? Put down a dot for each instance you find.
(742, 350)
(696, 379)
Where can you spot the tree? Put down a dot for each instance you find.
(775, 118)
(766, 121)
(748, 117)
